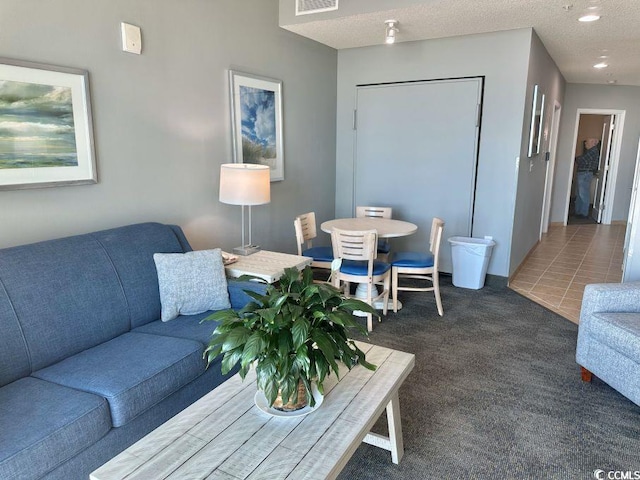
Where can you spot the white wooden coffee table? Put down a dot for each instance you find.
(266, 265)
(225, 436)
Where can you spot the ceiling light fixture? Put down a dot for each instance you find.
(589, 18)
(390, 31)
(600, 65)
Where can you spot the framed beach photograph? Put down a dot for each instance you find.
(46, 130)
(256, 121)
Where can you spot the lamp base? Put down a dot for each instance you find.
(246, 249)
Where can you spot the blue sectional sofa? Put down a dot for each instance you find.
(86, 366)
(609, 336)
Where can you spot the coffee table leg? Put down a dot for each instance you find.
(395, 428)
(393, 443)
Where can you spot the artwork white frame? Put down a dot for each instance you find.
(46, 126)
(256, 121)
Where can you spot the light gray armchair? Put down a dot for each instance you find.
(609, 336)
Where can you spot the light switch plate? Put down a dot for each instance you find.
(131, 38)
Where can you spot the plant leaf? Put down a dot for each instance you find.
(270, 389)
(235, 338)
(300, 331)
(230, 359)
(303, 360)
(254, 346)
(285, 342)
(326, 347)
(211, 353)
(352, 304)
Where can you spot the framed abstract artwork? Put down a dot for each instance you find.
(46, 128)
(256, 121)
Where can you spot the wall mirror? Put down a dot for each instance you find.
(537, 113)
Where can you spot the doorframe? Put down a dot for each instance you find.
(613, 164)
(551, 165)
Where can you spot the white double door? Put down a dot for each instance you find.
(416, 151)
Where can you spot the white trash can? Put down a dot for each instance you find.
(470, 258)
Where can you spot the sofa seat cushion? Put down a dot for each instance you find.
(619, 331)
(134, 371)
(43, 425)
(185, 326)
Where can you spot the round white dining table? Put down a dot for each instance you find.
(386, 228)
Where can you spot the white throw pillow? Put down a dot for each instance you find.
(191, 283)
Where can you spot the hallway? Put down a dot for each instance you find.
(566, 259)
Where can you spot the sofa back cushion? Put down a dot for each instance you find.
(66, 296)
(60, 297)
(131, 250)
(14, 358)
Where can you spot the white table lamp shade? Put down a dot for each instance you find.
(245, 184)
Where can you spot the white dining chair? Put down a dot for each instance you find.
(384, 247)
(305, 228)
(376, 212)
(418, 265)
(357, 251)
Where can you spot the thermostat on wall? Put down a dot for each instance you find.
(131, 38)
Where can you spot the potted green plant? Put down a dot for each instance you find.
(294, 335)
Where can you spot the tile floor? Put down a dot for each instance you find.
(565, 260)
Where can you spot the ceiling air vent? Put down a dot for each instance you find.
(305, 7)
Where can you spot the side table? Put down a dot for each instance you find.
(266, 265)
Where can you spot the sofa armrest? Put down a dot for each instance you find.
(237, 295)
(610, 297)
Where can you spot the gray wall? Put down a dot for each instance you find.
(532, 171)
(616, 97)
(161, 120)
(501, 57)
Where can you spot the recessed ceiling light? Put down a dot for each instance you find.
(611, 82)
(600, 65)
(589, 18)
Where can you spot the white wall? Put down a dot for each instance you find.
(161, 119)
(503, 59)
(616, 97)
(532, 172)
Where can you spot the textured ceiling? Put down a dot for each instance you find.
(574, 46)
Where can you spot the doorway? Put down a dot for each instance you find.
(593, 178)
(551, 163)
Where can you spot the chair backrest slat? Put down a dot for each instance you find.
(305, 227)
(354, 245)
(376, 212)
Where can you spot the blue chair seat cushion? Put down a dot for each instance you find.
(384, 246)
(133, 371)
(357, 267)
(43, 424)
(411, 259)
(319, 254)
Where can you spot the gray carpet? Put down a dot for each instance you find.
(496, 394)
